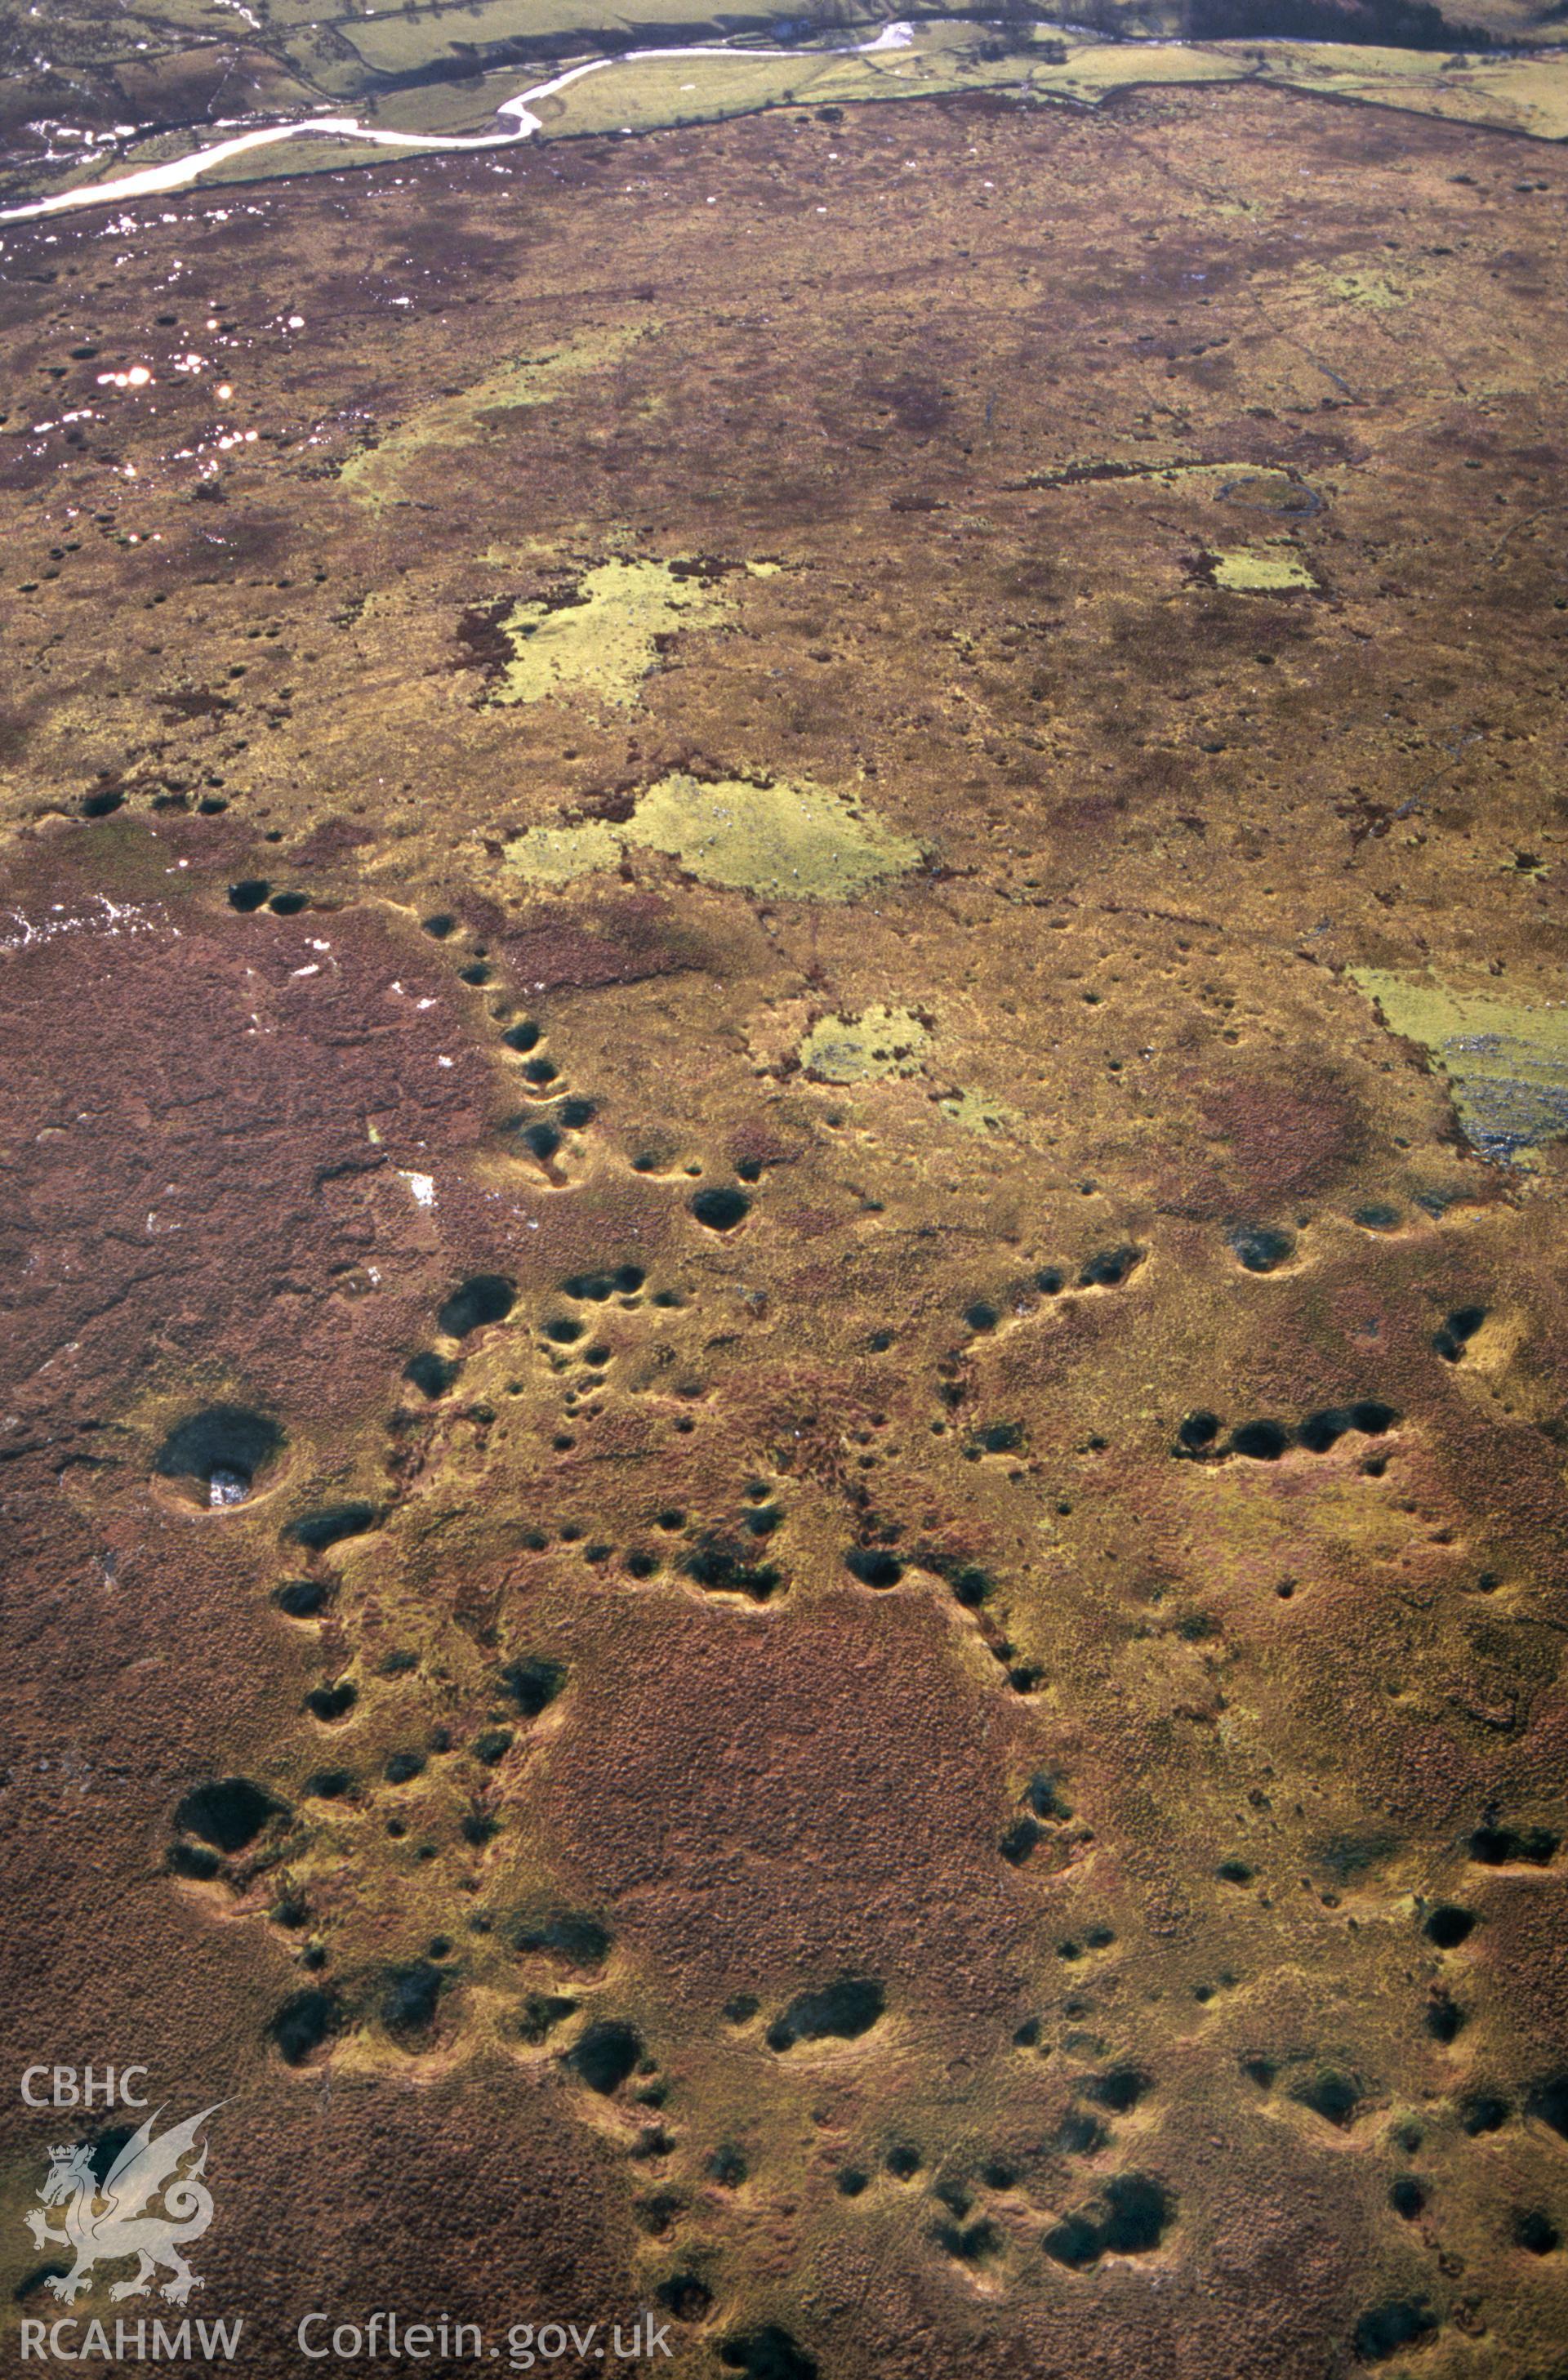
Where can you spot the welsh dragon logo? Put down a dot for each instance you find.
(106, 2221)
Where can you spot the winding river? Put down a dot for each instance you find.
(151, 181)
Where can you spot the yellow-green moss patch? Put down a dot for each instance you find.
(1261, 570)
(873, 1047)
(606, 638)
(798, 841)
(790, 842)
(1506, 1063)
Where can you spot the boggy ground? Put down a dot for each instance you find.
(886, 1669)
